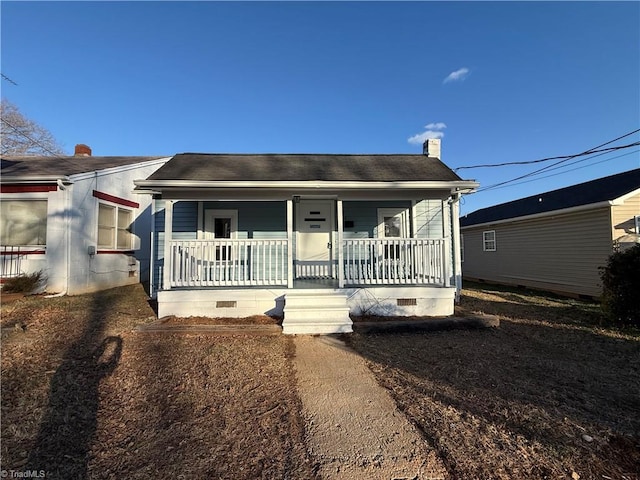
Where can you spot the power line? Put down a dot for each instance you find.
(548, 167)
(566, 171)
(605, 150)
(8, 79)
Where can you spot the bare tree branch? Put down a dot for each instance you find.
(22, 136)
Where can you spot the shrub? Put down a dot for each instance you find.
(621, 286)
(25, 283)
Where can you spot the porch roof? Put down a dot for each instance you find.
(319, 171)
(298, 168)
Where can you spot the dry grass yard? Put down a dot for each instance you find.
(549, 394)
(84, 396)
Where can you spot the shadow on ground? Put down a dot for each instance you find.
(518, 401)
(66, 433)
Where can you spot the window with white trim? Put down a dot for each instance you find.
(489, 241)
(114, 227)
(23, 222)
(221, 224)
(638, 224)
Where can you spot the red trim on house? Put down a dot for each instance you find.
(22, 252)
(113, 199)
(29, 188)
(112, 252)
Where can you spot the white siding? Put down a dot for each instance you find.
(91, 273)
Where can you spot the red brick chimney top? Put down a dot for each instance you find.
(82, 150)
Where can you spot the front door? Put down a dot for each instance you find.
(314, 226)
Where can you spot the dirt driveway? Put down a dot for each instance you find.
(354, 429)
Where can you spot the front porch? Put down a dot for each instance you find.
(237, 278)
(313, 261)
(266, 263)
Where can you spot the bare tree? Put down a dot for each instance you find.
(22, 136)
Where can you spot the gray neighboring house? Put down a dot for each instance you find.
(308, 237)
(556, 240)
(77, 219)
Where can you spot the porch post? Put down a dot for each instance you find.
(290, 243)
(168, 230)
(340, 244)
(455, 243)
(447, 257)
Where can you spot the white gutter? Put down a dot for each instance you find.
(67, 228)
(455, 186)
(9, 179)
(552, 213)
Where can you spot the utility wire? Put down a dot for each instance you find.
(568, 157)
(566, 171)
(8, 79)
(536, 172)
(489, 165)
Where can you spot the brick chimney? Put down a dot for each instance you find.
(431, 148)
(82, 150)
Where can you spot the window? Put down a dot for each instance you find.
(489, 241)
(638, 224)
(114, 227)
(220, 224)
(124, 229)
(392, 223)
(23, 222)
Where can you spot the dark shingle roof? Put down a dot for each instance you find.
(62, 166)
(303, 167)
(594, 191)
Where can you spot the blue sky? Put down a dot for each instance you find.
(498, 82)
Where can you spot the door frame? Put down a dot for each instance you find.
(331, 232)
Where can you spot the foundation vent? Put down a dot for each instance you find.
(407, 302)
(226, 304)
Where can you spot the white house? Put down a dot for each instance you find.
(76, 219)
(308, 237)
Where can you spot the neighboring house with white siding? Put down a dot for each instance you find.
(556, 240)
(308, 237)
(76, 219)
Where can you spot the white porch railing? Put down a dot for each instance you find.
(225, 262)
(370, 261)
(395, 261)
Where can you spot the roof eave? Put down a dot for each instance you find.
(119, 168)
(550, 213)
(38, 179)
(457, 186)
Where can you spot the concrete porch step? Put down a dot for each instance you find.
(316, 312)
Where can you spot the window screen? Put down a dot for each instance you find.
(23, 222)
(124, 229)
(106, 226)
(114, 227)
